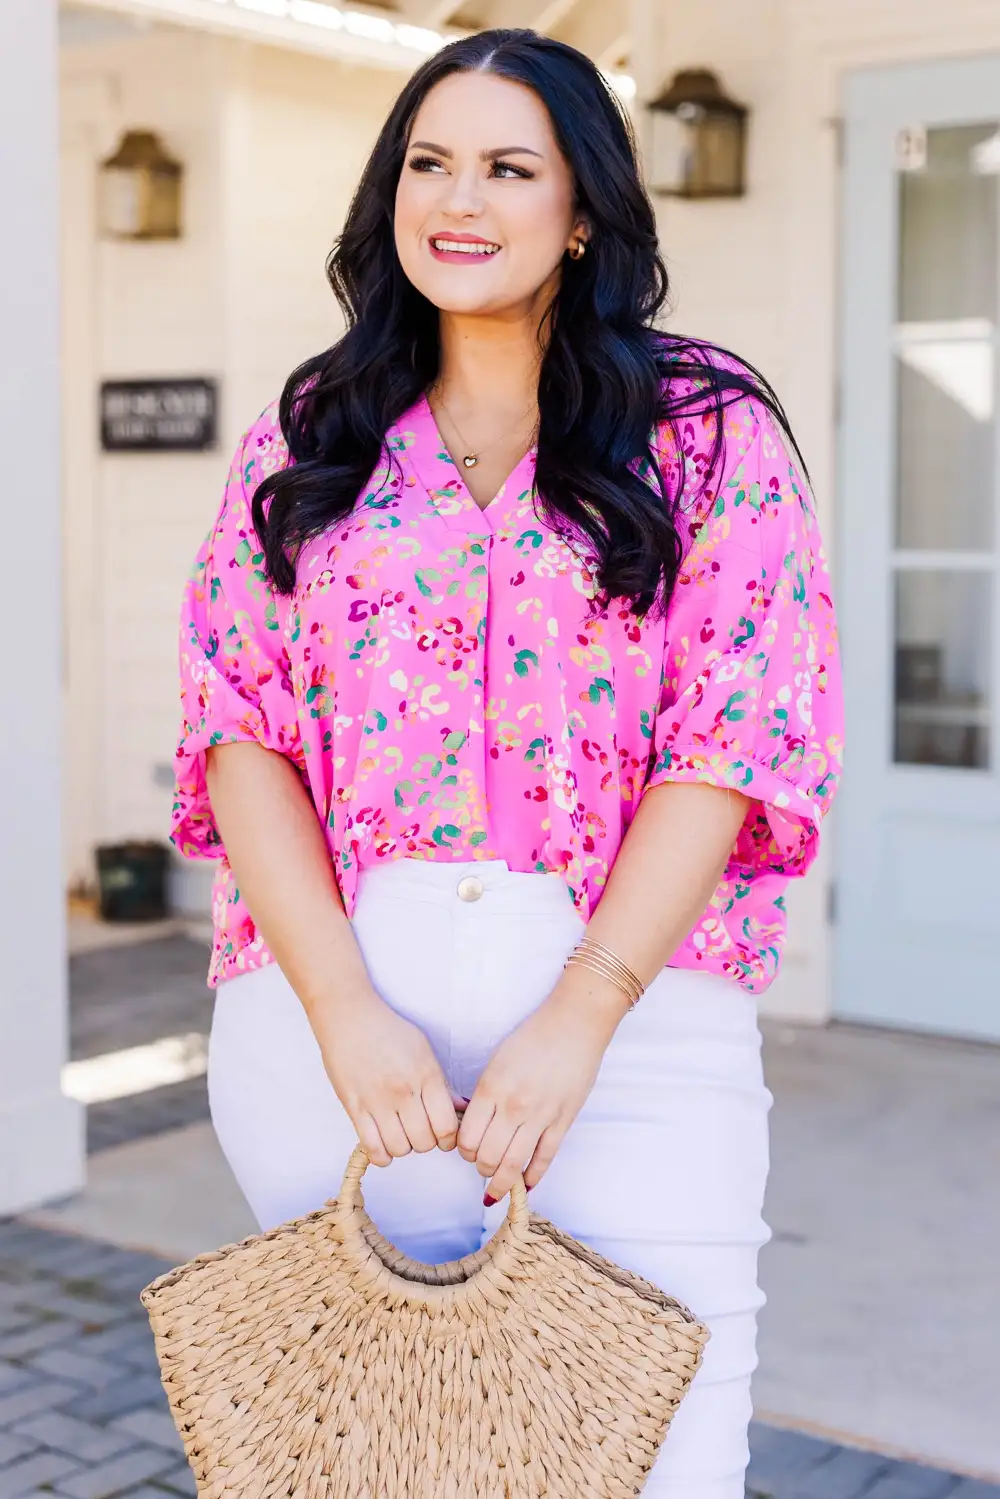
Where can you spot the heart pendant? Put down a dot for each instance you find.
(470, 460)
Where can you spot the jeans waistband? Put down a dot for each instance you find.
(439, 882)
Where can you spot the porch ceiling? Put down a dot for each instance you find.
(597, 27)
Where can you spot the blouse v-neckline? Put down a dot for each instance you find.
(418, 436)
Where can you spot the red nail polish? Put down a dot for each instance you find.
(489, 1202)
(531, 1188)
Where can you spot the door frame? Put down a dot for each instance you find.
(866, 474)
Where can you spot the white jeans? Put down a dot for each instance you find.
(663, 1170)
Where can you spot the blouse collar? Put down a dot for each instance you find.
(416, 440)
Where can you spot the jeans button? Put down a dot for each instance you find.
(469, 888)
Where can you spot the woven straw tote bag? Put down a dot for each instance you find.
(317, 1361)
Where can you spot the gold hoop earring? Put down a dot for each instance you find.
(578, 250)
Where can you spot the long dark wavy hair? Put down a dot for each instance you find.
(608, 374)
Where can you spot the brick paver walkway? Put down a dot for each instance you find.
(83, 1414)
(82, 1411)
(790, 1465)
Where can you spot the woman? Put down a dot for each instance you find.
(512, 642)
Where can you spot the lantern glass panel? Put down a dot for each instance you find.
(121, 202)
(164, 206)
(720, 156)
(674, 153)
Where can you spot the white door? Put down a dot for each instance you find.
(918, 830)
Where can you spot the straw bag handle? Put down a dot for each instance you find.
(415, 1281)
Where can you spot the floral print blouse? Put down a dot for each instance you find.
(447, 692)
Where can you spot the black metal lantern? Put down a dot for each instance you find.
(698, 139)
(141, 190)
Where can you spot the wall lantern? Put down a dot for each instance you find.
(698, 139)
(141, 190)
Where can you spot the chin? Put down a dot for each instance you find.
(476, 292)
(470, 304)
(474, 307)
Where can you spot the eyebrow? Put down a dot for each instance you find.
(483, 155)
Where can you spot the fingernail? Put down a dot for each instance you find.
(531, 1188)
(489, 1202)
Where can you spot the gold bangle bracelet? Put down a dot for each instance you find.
(621, 977)
(607, 964)
(599, 949)
(583, 960)
(605, 954)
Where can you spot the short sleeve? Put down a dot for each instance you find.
(751, 696)
(234, 669)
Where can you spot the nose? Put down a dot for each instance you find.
(464, 199)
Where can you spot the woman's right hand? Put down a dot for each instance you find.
(387, 1077)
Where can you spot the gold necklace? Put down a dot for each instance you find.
(470, 459)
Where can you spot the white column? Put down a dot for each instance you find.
(41, 1132)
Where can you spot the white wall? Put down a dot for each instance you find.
(272, 143)
(760, 274)
(297, 131)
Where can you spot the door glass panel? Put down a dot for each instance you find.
(944, 341)
(942, 657)
(948, 240)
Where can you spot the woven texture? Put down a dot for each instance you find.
(317, 1361)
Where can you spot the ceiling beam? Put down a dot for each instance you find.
(600, 28)
(539, 15)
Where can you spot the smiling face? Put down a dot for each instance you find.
(485, 207)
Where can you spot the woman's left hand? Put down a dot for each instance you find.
(537, 1080)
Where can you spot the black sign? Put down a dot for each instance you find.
(158, 416)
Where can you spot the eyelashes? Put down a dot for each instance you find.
(500, 170)
(514, 171)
